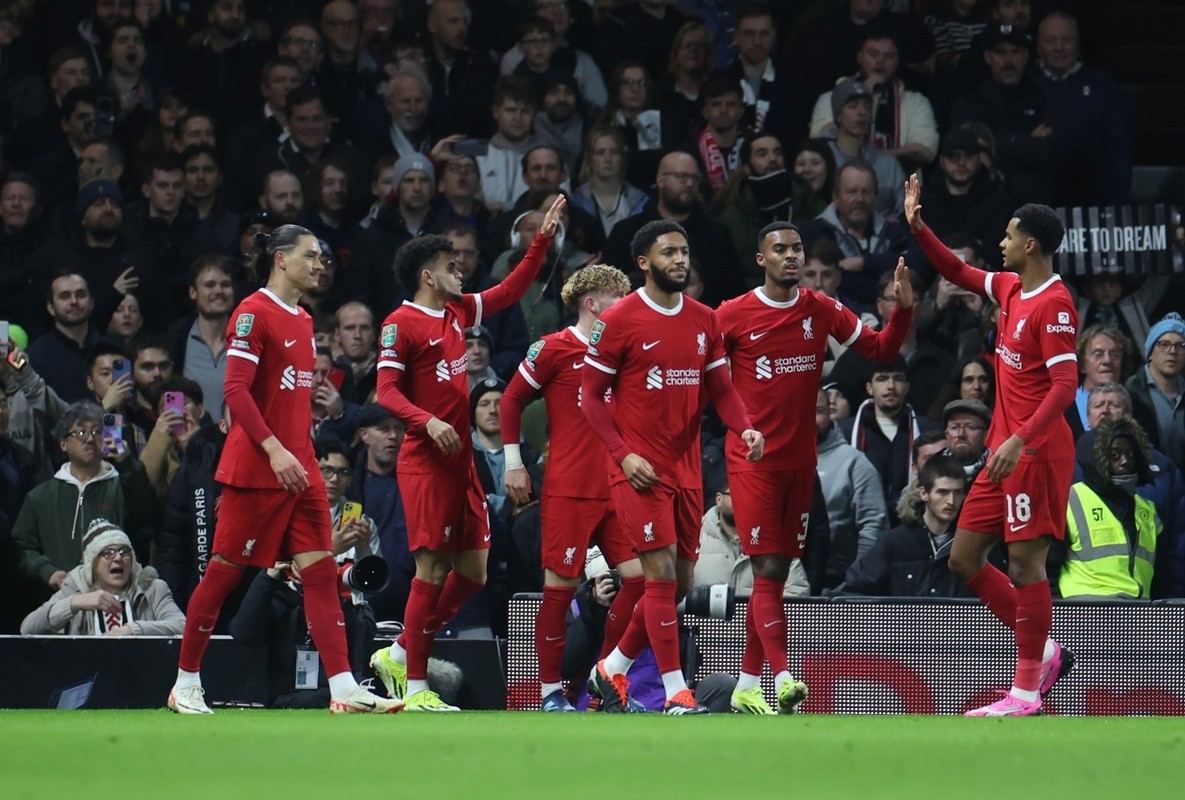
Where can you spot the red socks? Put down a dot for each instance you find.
(662, 624)
(419, 627)
(769, 622)
(753, 658)
(634, 638)
(997, 593)
(551, 630)
(1034, 620)
(457, 589)
(621, 612)
(323, 611)
(201, 614)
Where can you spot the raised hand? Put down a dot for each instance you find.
(551, 221)
(913, 203)
(902, 288)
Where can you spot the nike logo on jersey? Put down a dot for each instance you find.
(755, 336)
(648, 345)
(434, 342)
(578, 365)
(341, 624)
(289, 342)
(486, 538)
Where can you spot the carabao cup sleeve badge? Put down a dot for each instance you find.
(390, 332)
(244, 324)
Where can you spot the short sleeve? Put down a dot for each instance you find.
(246, 336)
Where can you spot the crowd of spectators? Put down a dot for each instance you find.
(145, 142)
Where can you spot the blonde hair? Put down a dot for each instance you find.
(597, 278)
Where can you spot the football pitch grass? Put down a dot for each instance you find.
(298, 754)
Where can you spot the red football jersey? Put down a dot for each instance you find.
(1036, 330)
(278, 339)
(422, 355)
(659, 358)
(777, 352)
(553, 366)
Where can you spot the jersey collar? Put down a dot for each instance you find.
(293, 310)
(763, 297)
(579, 336)
(666, 312)
(432, 312)
(1041, 288)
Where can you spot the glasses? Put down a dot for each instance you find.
(111, 553)
(960, 427)
(85, 436)
(312, 44)
(1170, 347)
(683, 177)
(634, 82)
(343, 473)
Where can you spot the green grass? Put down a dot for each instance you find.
(295, 754)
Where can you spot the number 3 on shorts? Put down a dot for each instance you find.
(1019, 508)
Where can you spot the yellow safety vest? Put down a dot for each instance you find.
(1101, 561)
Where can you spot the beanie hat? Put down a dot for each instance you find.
(100, 535)
(93, 191)
(480, 389)
(1170, 323)
(414, 161)
(845, 91)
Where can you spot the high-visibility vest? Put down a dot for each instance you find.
(1101, 561)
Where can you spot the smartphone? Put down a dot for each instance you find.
(4, 338)
(337, 377)
(113, 431)
(351, 512)
(17, 362)
(472, 147)
(119, 368)
(175, 401)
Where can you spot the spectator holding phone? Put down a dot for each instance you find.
(33, 407)
(179, 415)
(17, 469)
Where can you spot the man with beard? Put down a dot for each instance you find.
(462, 77)
(557, 124)
(1012, 106)
(656, 350)
(775, 337)
(678, 200)
(198, 342)
(761, 191)
(217, 227)
(152, 366)
(212, 68)
(962, 194)
(870, 243)
(62, 356)
(408, 214)
(403, 129)
(884, 427)
(282, 197)
(422, 382)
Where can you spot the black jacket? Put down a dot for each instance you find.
(272, 616)
(905, 563)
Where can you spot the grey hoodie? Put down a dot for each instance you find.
(855, 501)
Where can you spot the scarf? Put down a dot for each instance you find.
(886, 116)
(718, 163)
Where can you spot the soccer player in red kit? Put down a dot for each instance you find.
(422, 381)
(658, 350)
(273, 504)
(575, 506)
(1021, 494)
(776, 337)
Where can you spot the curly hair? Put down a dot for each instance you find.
(1121, 425)
(595, 278)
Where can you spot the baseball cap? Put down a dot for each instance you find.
(373, 414)
(961, 139)
(995, 34)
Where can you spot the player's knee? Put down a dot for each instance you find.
(965, 565)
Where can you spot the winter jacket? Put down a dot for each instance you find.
(906, 562)
(56, 514)
(892, 459)
(983, 211)
(153, 611)
(855, 503)
(721, 561)
(888, 241)
(33, 412)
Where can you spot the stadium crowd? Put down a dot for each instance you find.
(146, 142)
